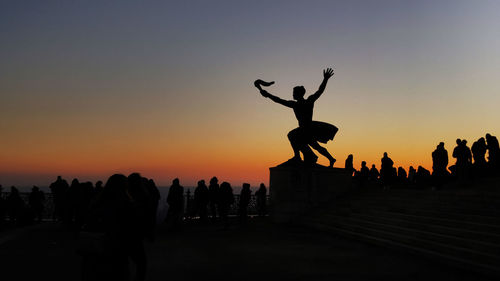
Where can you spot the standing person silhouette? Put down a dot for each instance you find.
(309, 132)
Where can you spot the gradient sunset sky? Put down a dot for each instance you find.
(91, 88)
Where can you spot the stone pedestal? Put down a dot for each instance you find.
(296, 189)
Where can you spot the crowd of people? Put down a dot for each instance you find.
(212, 202)
(470, 163)
(124, 214)
(18, 211)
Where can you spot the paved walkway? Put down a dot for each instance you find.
(256, 251)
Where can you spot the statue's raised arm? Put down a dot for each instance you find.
(327, 74)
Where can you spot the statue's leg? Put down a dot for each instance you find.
(323, 152)
(294, 138)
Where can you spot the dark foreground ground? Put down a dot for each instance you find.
(256, 251)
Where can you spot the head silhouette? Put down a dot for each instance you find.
(363, 164)
(385, 154)
(299, 92)
(175, 181)
(459, 141)
(214, 180)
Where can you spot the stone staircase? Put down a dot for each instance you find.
(460, 227)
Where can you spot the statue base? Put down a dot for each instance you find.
(296, 188)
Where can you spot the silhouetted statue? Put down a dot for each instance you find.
(201, 199)
(226, 199)
(402, 176)
(59, 189)
(493, 151)
(213, 196)
(309, 132)
(374, 174)
(387, 174)
(261, 197)
(348, 164)
(439, 165)
(245, 196)
(175, 200)
(36, 201)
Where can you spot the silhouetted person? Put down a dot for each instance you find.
(213, 196)
(122, 233)
(493, 151)
(411, 174)
(422, 176)
(478, 150)
(440, 164)
(59, 189)
(3, 208)
(245, 196)
(98, 188)
(139, 194)
(467, 152)
(363, 174)
(15, 205)
(348, 164)
(201, 199)
(309, 132)
(402, 176)
(153, 199)
(84, 195)
(36, 201)
(72, 203)
(226, 199)
(175, 200)
(190, 209)
(463, 155)
(439, 160)
(261, 198)
(387, 170)
(374, 173)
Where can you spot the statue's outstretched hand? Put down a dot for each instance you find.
(264, 93)
(327, 73)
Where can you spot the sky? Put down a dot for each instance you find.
(165, 88)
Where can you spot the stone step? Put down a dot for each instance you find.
(432, 226)
(462, 202)
(476, 245)
(472, 199)
(473, 218)
(472, 210)
(417, 242)
(464, 263)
